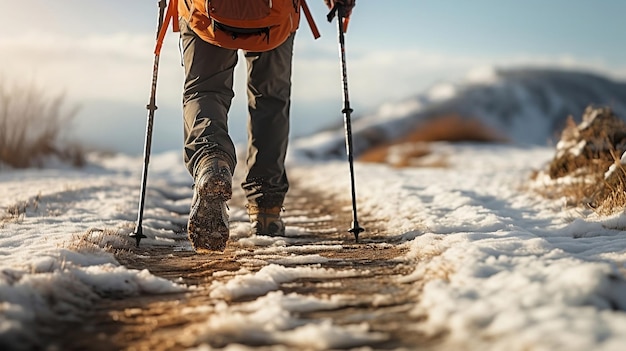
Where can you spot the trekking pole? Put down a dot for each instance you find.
(339, 11)
(138, 233)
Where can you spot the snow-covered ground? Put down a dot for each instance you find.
(498, 267)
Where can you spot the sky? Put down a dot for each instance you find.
(99, 54)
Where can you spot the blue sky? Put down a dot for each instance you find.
(100, 54)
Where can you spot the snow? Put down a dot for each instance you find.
(46, 270)
(496, 265)
(615, 166)
(273, 319)
(269, 279)
(484, 75)
(441, 92)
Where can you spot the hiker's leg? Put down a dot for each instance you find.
(207, 98)
(269, 94)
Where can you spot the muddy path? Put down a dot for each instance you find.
(371, 297)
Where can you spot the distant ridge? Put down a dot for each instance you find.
(523, 105)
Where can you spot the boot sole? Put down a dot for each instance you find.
(208, 219)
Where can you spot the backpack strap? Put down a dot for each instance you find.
(171, 14)
(309, 19)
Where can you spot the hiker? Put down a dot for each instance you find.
(210, 41)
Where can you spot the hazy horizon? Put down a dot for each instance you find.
(103, 61)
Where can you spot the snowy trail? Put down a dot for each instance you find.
(461, 256)
(323, 290)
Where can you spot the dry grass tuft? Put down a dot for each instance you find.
(32, 127)
(587, 168)
(99, 240)
(454, 128)
(16, 212)
(591, 145)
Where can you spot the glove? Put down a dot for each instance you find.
(348, 5)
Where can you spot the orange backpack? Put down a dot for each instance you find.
(252, 25)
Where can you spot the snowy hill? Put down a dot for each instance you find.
(527, 106)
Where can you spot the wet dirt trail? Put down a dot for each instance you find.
(373, 297)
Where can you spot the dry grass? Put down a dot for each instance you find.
(114, 241)
(16, 212)
(90, 241)
(611, 196)
(584, 155)
(32, 127)
(452, 128)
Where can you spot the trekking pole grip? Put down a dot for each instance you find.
(339, 10)
(333, 12)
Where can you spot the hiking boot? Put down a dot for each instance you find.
(265, 221)
(208, 217)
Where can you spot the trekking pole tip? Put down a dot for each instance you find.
(356, 230)
(138, 235)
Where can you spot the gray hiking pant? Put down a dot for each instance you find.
(207, 97)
